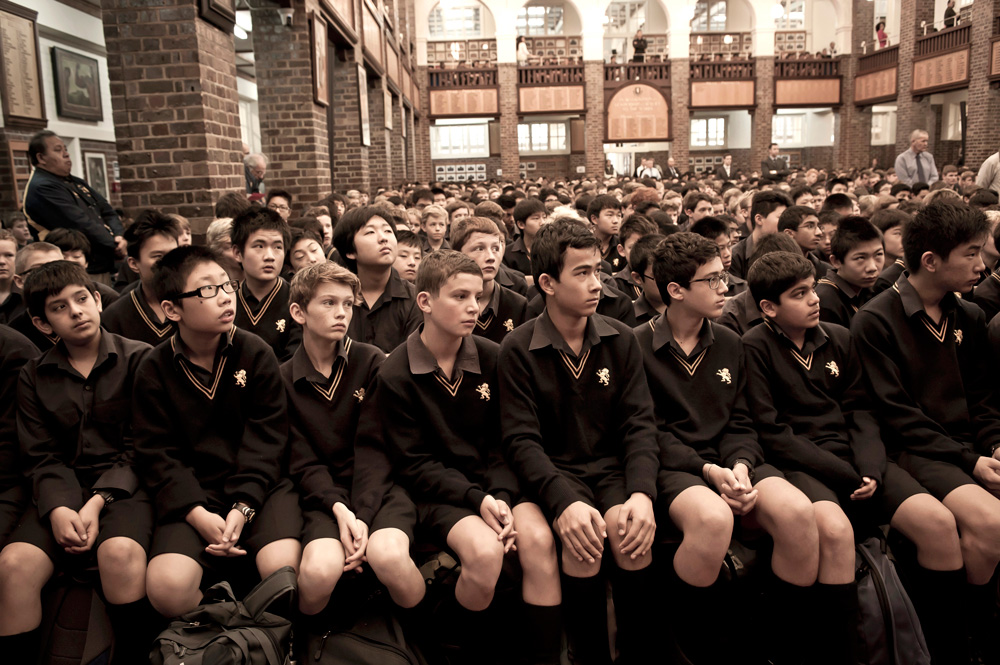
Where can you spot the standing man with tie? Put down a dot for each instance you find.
(725, 171)
(772, 166)
(916, 164)
(672, 173)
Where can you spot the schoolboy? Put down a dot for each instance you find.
(802, 225)
(326, 382)
(765, 211)
(924, 352)
(987, 292)
(439, 404)
(697, 205)
(409, 251)
(570, 380)
(211, 429)
(740, 312)
(73, 428)
(500, 309)
(649, 304)
(386, 313)
(529, 216)
(828, 221)
(11, 301)
(76, 248)
(694, 371)
(305, 249)
(633, 228)
(280, 202)
(719, 232)
(434, 228)
(605, 214)
(891, 223)
(138, 315)
(28, 259)
(15, 351)
(814, 420)
(858, 255)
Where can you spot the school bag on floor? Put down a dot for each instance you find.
(225, 631)
(76, 629)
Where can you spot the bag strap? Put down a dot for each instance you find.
(219, 592)
(278, 584)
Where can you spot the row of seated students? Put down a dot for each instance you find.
(195, 429)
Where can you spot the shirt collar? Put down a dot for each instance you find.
(181, 351)
(59, 356)
(545, 334)
(663, 335)
(912, 304)
(518, 245)
(422, 361)
(302, 367)
(503, 277)
(815, 337)
(493, 306)
(842, 284)
(251, 299)
(642, 306)
(626, 275)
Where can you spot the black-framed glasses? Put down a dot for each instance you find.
(649, 277)
(210, 290)
(715, 280)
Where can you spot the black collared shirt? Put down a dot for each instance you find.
(75, 432)
(737, 285)
(890, 275)
(269, 319)
(931, 380)
(740, 313)
(15, 351)
(742, 251)
(426, 248)
(987, 295)
(625, 283)
(391, 319)
(699, 397)
(839, 300)
(12, 306)
(505, 311)
(644, 311)
(564, 413)
(22, 324)
(615, 261)
(210, 438)
(132, 317)
(517, 257)
(811, 406)
(512, 279)
(613, 304)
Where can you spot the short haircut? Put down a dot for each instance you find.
(36, 145)
(525, 208)
(776, 242)
(421, 194)
(710, 227)
(604, 201)
(465, 228)
(8, 235)
(12, 218)
(886, 219)
(548, 253)
(29, 250)
(506, 201)
(636, 225)
(456, 205)
(394, 215)
(230, 205)
(800, 191)
(643, 250)
(983, 198)
(49, 280)
(434, 210)
(147, 224)
(851, 232)
(409, 238)
(489, 209)
(837, 202)
(793, 216)
(310, 224)
(306, 281)
(773, 274)
(941, 227)
(678, 258)
(216, 231)
(70, 240)
(829, 217)
(899, 187)
(171, 272)
(316, 211)
(948, 168)
(837, 181)
(258, 219)
(766, 202)
(348, 226)
(438, 267)
(692, 199)
(272, 193)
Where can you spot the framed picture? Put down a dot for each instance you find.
(77, 80)
(97, 172)
(321, 77)
(21, 89)
(366, 126)
(220, 13)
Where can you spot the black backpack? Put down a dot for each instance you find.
(889, 629)
(230, 632)
(76, 630)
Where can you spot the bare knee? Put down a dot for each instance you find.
(796, 518)
(536, 546)
(21, 565)
(483, 560)
(320, 574)
(172, 593)
(389, 556)
(119, 556)
(835, 532)
(937, 528)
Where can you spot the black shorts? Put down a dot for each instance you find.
(600, 485)
(126, 518)
(397, 512)
(940, 478)
(280, 517)
(14, 502)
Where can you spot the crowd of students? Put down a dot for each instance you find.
(601, 382)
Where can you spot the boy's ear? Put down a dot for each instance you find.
(424, 302)
(97, 299)
(768, 308)
(675, 291)
(133, 265)
(789, 232)
(929, 261)
(835, 262)
(298, 313)
(637, 278)
(238, 254)
(621, 249)
(19, 281)
(171, 310)
(546, 283)
(43, 326)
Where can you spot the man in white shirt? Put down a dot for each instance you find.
(989, 173)
(916, 164)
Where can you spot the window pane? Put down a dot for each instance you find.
(523, 138)
(557, 136)
(699, 131)
(455, 22)
(539, 137)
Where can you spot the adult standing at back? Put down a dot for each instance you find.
(772, 166)
(989, 174)
(639, 45)
(254, 169)
(916, 164)
(53, 198)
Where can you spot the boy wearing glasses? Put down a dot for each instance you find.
(211, 428)
(802, 225)
(280, 202)
(858, 255)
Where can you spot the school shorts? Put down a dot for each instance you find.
(14, 501)
(125, 518)
(280, 517)
(397, 512)
(940, 478)
(600, 484)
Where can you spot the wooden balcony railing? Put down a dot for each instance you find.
(733, 70)
(550, 75)
(996, 25)
(946, 40)
(466, 77)
(811, 68)
(882, 59)
(637, 71)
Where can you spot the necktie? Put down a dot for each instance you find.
(920, 170)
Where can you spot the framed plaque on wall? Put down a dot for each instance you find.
(20, 68)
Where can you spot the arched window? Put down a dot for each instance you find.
(540, 20)
(794, 16)
(461, 19)
(709, 16)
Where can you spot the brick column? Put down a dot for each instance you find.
(510, 160)
(293, 128)
(910, 114)
(593, 74)
(176, 109)
(983, 134)
(396, 143)
(348, 155)
(760, 117)
(680, 115)
(378, 155)
(853, 126)
(422, 131)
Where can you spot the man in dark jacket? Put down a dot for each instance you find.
(772, 166)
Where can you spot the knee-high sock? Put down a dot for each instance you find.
(586, 612)
(939, 596)
(695, 623)
(791, 618)
(983, 620)
(542, 629)
(23, 647)
(638, 617)
(135, 626)
(837, 632)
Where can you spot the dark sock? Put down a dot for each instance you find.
(790, 634)
(585, 608)
(939, 597)
(695, 624)
(21, 648)
(983, 620)
(135, 626)
(542, 629)
(837, 628)
(637, 614)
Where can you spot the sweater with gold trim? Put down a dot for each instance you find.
(269, 319)
(130, 316)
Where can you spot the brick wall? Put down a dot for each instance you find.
(983, 135)
(396, 143)
(741, 160)
(593, 73)
(910, 114)
(492, 164)
(380, 173)
(853, 125)
(886, 155)
(507, 78)
(580, 159)
(680, 115)
(110, 157)
(348, 155)
(422, 131)
(760, 117)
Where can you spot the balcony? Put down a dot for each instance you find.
(723, 70)
(807, 68)
(883, 59)
(945, 41)
(941, 60)
(805, 82)
(464, 77)
(656, 73)
(546, 75)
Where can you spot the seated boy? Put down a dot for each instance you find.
(260, 237)
(802, 224)
(11, 302)
(649, 304)
(710, 459)
(137, 314)
(441, 426)
(740, 312)
(211, 429)
(925, 353)
(305, 249)
(578, 429)
(857, 254)
(73, 427)
(434, 228)
(605, 214)
(718, 231)
(76, 248)
(765, 211)
(408, 254)
(326, 382)
(386, 311)
(633, 228)
(987, 292)
(27, 260)
(15, 351)
(500, 309)
(811, 407)
(529, 216)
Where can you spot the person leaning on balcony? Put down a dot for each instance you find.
(523, 54)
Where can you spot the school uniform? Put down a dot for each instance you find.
(213, 438)
(11, 306)
(613, 304)
(625, 283)
(505, 311)
(839, 300)
(268, 318)
(613, 260)
(392, 317)
(820, 267)
(426, 248)
(936, 402)
(742, 251)
(737, 285)
(987, 295)
(511, 279)
(643, 310)
(740, 313)
(22, 324)
(516, 256)
(132, 317)
(75, 439)
(890, 275)
(108, 295)
(15, 351)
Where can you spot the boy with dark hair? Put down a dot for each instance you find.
(858, 255)
(842, 204)
(386, 313)
(441, 426)
(73, 428)
(433, 228)
(211, 429)
(305, 248)
(11, 302)
(987, 292)
(138, 315)
(529, 215)
(633, 228)
(802, 224)
(500, 309)
(924, 352)
(891, 223)
(260, 239)
(808, 398)
(76, 248)
(28, 259)
(765, 211)
(605, 213)
(649, 304)
(710, 460)
(578, 429)
(280, 202)
(719, 232)
(697, 205)
(409, 251)
(740, 312)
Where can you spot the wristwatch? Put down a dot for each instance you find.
(248, 512)
(108, 497)
(748, 465)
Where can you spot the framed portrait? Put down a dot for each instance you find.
(320, 73)
(366, 125)
(77, 80)
(21, 89)
(97, 173)
(220, 13)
